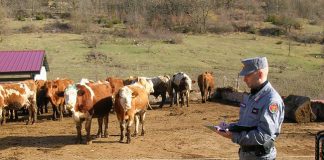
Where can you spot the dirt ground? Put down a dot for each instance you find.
(171, 133)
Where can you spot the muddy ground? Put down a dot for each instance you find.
(172, 133)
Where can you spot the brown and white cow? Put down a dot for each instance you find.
(42, 99)
(206, 85)
(131, 105)
(55, 93)
(181, 85)
(86, 101)
(14, 96)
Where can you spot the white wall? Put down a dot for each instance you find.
(42, 75)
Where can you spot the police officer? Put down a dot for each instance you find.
(261, 114)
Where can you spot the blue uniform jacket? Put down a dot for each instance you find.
(265, 110)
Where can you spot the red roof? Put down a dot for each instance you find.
(21, 61)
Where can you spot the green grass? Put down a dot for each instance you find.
(298, 73)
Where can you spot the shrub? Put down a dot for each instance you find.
(273, 31)
(102, 20)
(115, 21)
(182, 29)
(287, 22)
(279, 42)
(243, 27)
(65, 15)
(221, 28)
(20, 18)
(314, 21)
(58, 27)
(29, 28)
(39, 16)
(108, 25)
(175, 39)
(272, 18)
(307, 38)
(93, 39)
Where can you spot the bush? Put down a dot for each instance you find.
(220, 28)
(65, 15)
(307, 38)
(272, 18)
(175, 39)
(314, 21)
(243, 27)
(21, 15)
(20, 18)
(115, 21)
(40, 16)
(286, 22)
(182, 29)
(279, 42)
(108, 25)
(58, 27)
(274, 31)
(29, 28)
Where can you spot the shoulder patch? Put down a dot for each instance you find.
(273, 108)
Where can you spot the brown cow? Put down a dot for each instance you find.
(206, 84)
(181, 84)
(55, 92)
(130, 105)
(116, 84)
(86, 101)
(19, 95)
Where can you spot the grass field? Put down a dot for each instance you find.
(299, 73)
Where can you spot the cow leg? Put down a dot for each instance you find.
(203, 96)
(78, 126)
(88, 128)
(100, 121)
(29, 115)
(61, 111)
(11, 113)
(106, 120)
(128, 133)
(3, 119)
(122, 125)
(39, 107)
(15, 114)
(128, 128)
(46, 101)
(182, 98)
(177, 95)
(142, 122)
(187, 97)
(54, 117)
(171, 94)
(136, 120)
(33, 113)
(163, 99)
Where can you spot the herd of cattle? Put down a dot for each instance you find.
(129, 99)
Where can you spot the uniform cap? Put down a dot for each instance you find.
(253, 64)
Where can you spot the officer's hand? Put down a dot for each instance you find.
(226, 133)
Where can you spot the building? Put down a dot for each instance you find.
(23, 65)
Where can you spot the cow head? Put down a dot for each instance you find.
(147, 84)
(70, 95)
